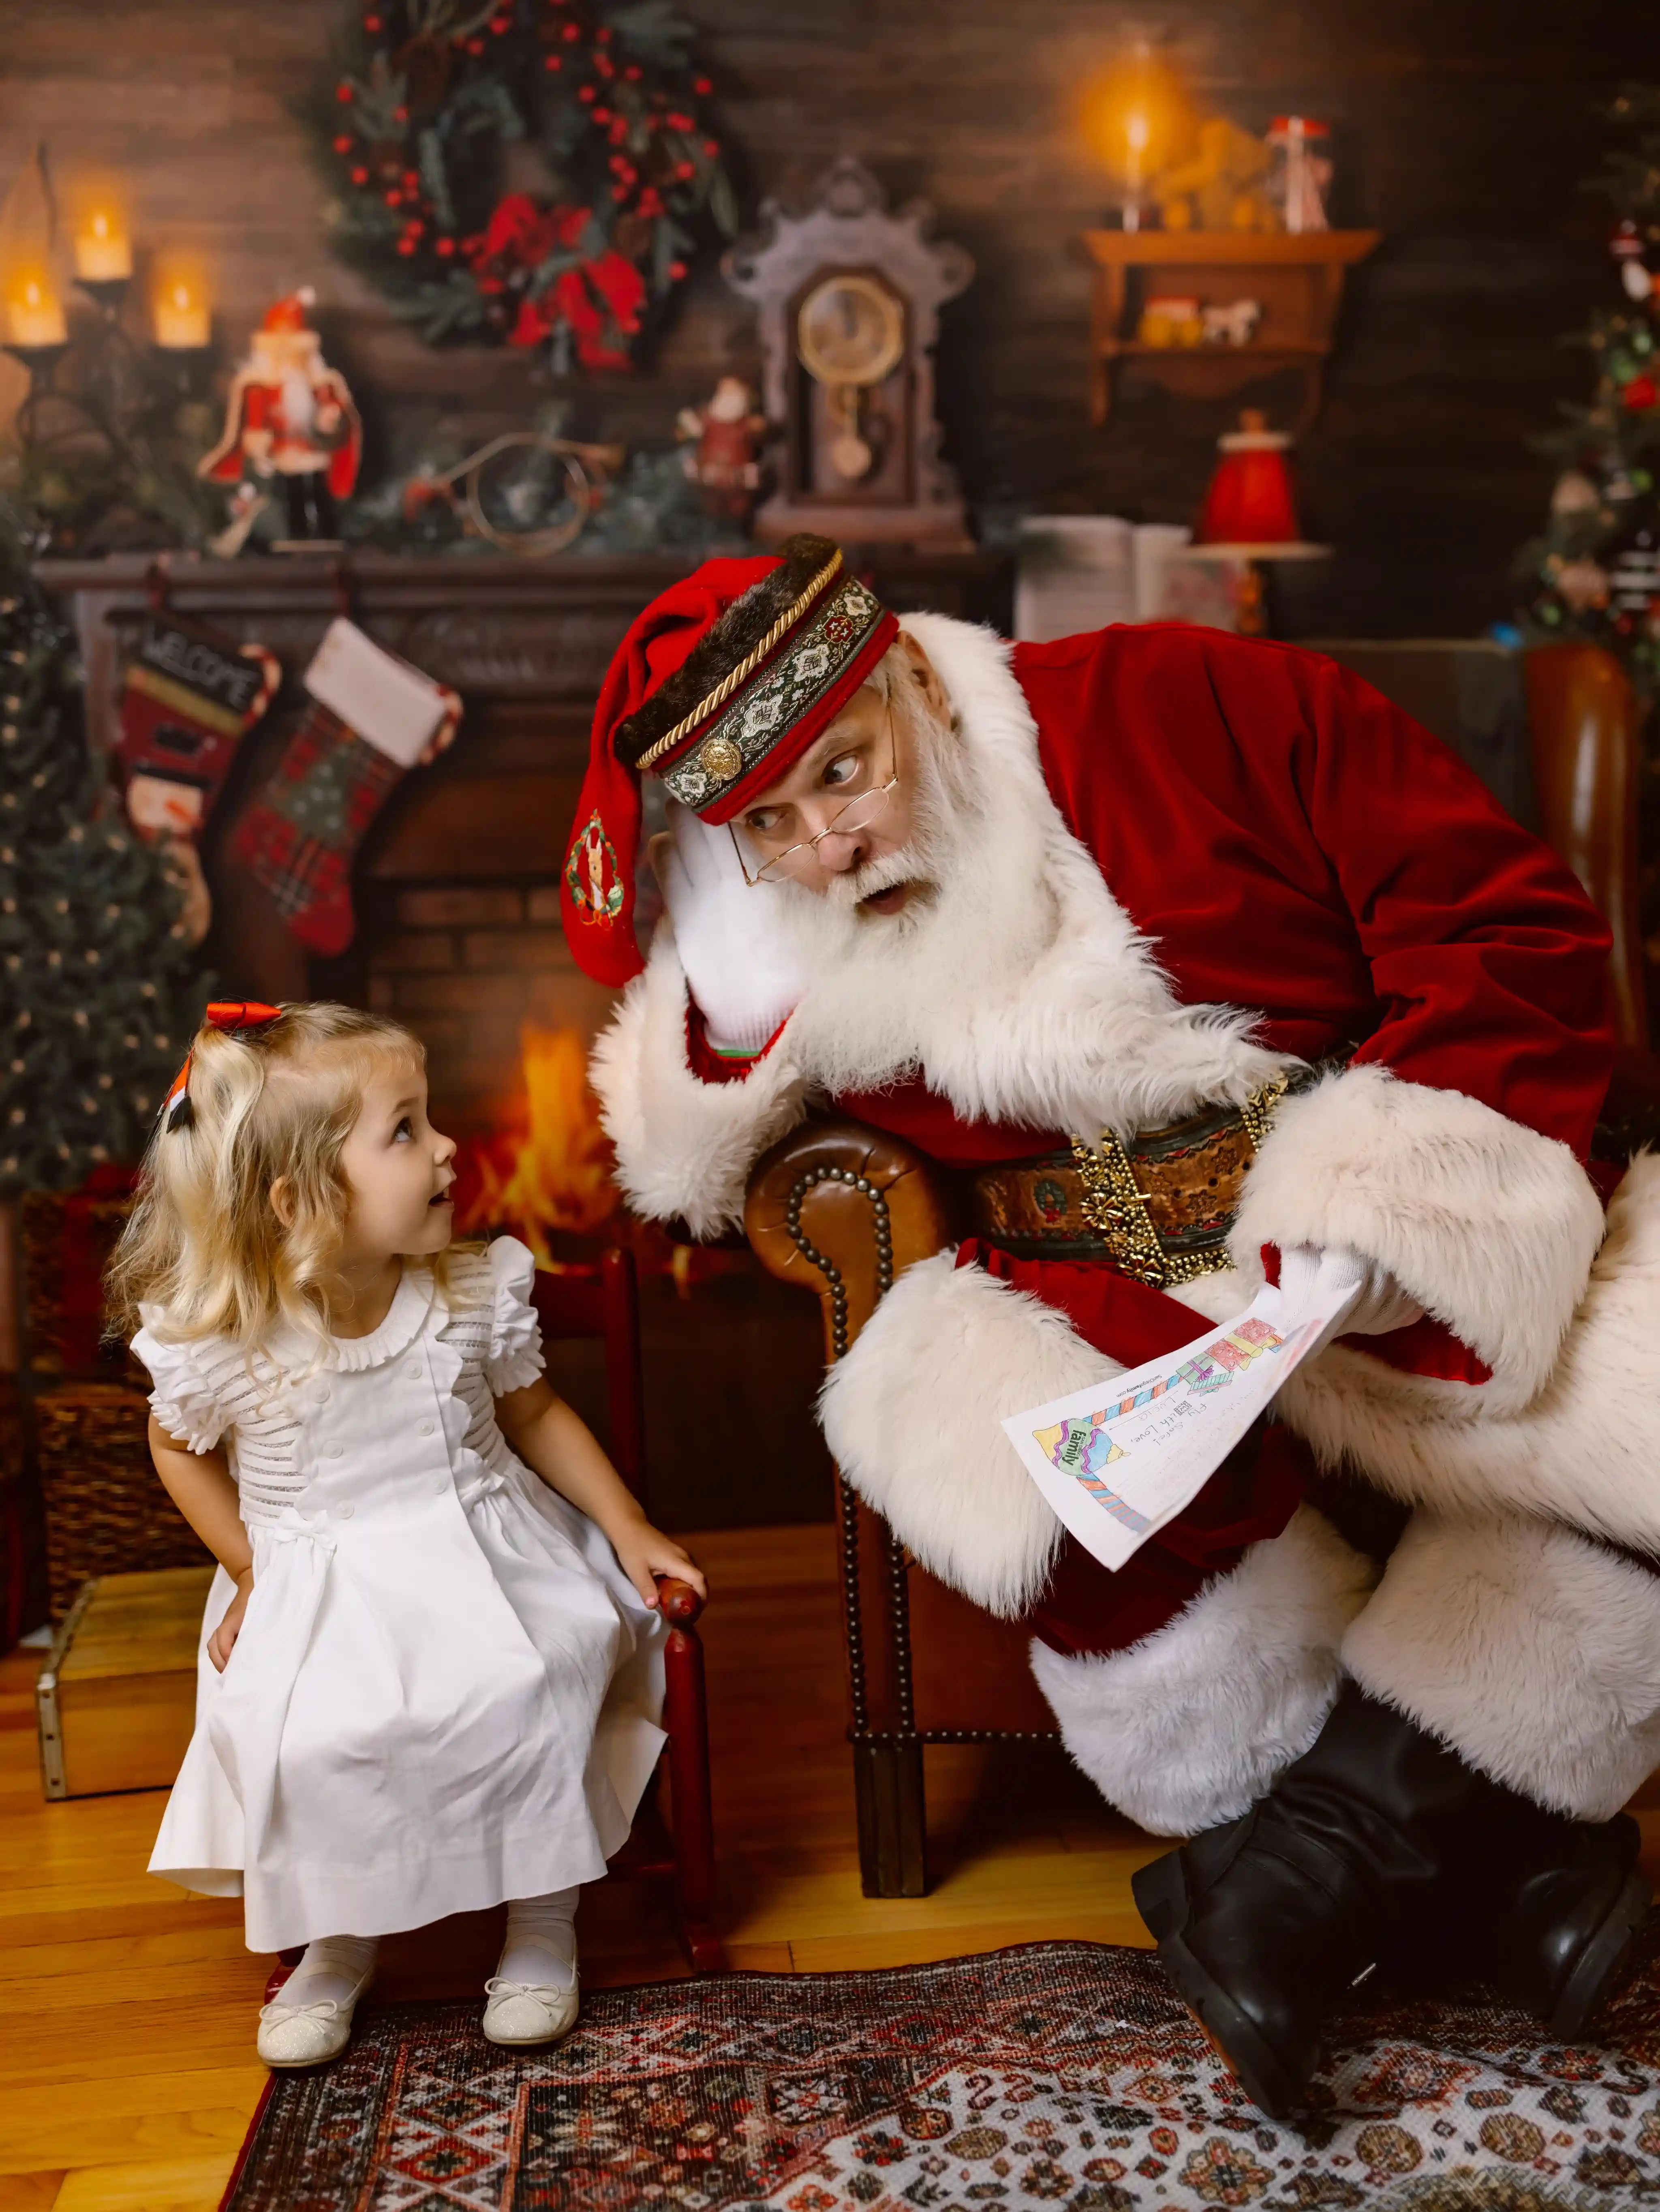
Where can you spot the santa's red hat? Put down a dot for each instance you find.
(719, 687)
(290, 313)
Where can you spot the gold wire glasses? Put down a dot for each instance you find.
(860, 812)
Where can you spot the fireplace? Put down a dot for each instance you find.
(458, 934)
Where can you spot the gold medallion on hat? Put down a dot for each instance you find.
(720, 759)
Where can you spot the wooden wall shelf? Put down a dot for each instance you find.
(1299, 279)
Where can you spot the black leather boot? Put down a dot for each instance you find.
(1557, 1913)
(1361, 1844)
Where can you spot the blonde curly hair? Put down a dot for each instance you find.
(204, 1243)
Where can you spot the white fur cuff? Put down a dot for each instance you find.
(913, 1416)
(684, 1147)
(1534, 1653)
(1190, 1726)
(1490, 1226)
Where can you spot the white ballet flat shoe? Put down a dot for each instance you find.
(305, 2034)
(530, 2012)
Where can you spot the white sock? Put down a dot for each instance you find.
(331, 1968)
(540, 1949)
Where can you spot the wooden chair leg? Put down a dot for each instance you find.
(893, 1817)
(685, 1717)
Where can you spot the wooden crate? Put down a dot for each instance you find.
(117, 1697)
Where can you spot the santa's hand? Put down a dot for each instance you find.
(1381, 1304)
(735, 944)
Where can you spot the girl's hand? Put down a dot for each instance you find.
(222, 1642)
(645, 1552)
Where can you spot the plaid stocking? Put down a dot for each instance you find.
(188, 698)
(372, 718)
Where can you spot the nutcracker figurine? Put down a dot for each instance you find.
(724, 445)
(289, 426)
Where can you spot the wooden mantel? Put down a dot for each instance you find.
(1298, 277)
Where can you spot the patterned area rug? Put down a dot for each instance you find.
(1054, 2074)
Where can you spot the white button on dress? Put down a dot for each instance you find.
(433, 1705)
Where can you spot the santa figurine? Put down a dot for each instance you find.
(723, 461)
(290, 426)
(1192, 961)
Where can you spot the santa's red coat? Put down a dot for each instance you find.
(1292, 843)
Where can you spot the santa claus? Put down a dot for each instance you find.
(1034, 907)
(290, 417)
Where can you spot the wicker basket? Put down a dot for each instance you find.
(106, 1511)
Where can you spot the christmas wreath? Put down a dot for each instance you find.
(607, 109)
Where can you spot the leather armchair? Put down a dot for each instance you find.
(841, 1210)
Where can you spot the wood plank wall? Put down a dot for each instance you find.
(1462, 131)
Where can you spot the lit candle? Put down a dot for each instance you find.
(181, 317)
(1137, 132)
(34, 314)
(103, 252)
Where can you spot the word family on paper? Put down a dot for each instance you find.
(1119, 1458)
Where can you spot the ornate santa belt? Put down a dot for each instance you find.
(1158, 1207)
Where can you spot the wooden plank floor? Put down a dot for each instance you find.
(127, 2007)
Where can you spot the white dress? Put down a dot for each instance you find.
(445, 1692)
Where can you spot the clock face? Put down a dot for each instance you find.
(850, 330)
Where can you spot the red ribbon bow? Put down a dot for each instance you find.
(232, 1015)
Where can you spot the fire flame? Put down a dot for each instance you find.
(551, 1168)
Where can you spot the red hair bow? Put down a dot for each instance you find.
(232, 1015)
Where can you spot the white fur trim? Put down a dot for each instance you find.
(685, 1147)
(1535, 1653)
(1190, 1726)
(913, 1416)
(1489, 1225)
(1585, 1450)
(1026, 992)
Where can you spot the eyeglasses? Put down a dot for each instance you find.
(860, 812)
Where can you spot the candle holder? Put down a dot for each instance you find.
(107, 294)
(41, 362)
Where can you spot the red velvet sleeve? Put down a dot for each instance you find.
(710, 1065)
(1489, 959)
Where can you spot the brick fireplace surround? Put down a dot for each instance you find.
(455, 893)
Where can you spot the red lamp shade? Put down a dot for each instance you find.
(1251, 501)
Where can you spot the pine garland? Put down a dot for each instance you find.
(96, 975)
(409, 131)
(1597, 565)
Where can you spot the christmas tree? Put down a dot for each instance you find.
(1597, 566)
(98, 982)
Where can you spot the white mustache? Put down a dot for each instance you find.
(906, 865)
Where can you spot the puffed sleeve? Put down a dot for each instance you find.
(515, 1355)
(184, 1400)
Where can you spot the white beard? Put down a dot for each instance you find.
(1012, 980)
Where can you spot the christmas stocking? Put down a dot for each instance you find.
(372, 718)
(188, 698)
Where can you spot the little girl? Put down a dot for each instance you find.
(429, 1682)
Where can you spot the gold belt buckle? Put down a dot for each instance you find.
(1115, 1204)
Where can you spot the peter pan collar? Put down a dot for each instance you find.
(404, 1318)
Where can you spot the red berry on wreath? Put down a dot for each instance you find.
(602, 36)
(587, 93)
(406, 246)
(400, 115)
(710, 148)
(1642, 392)
(632, 72)
(343, 92)
(393, 198)
(359, 176)
(554, 62)
(343, 145)
(701, 86)
(684, 169)
(411, 178)
(676, 271)
(569, 32)
(446, 246)
(602, 115)
(373, 23)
